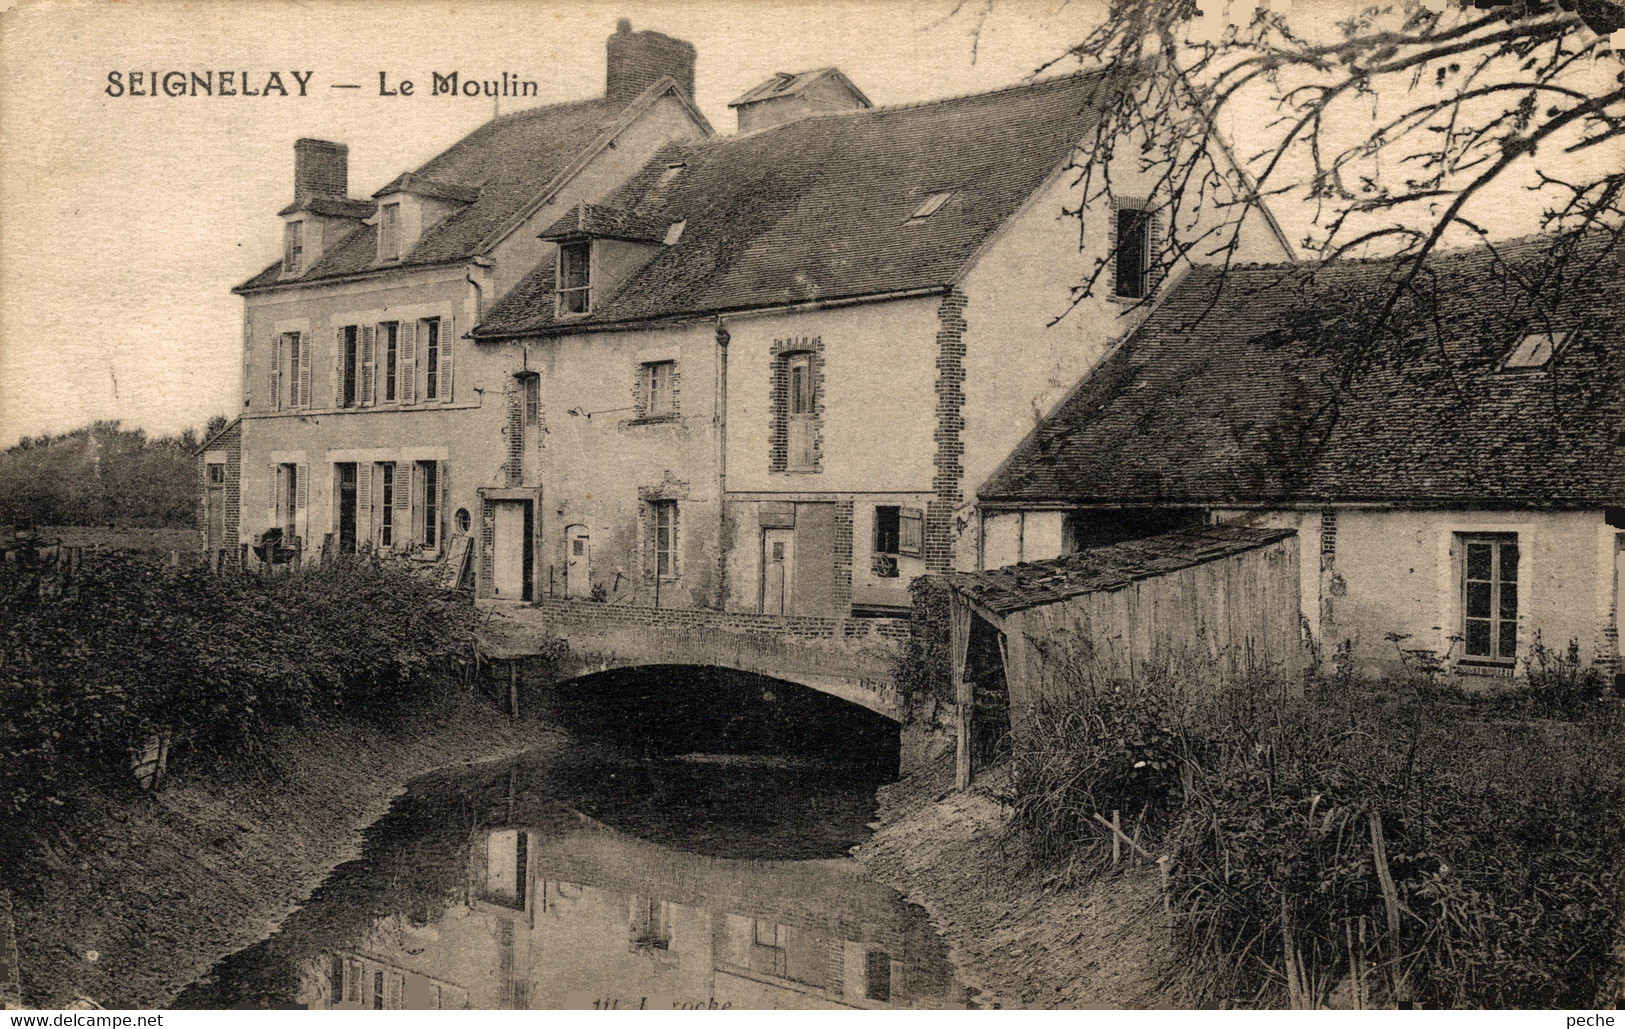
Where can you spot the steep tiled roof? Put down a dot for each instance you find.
(816, 208)
(332, 207)
(1035, 583)
(1219, 398)
(503, 165)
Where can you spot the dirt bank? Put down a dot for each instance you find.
(156, 888)
(1021, 942)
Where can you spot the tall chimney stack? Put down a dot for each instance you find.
(639, 59)
(320, 169)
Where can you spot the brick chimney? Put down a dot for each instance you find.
(638, 59)
(320, 169)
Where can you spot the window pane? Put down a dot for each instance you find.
(1478, 561)
(1509, 600)
(1478, 638)
(1509, 639)
(1478, 600)
(1509, 562)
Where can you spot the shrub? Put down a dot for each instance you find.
(91, 670)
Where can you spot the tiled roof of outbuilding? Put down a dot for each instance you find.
(500, 168)
(1218, 399)
(1036, 583)
(815, 209)
(787, 83)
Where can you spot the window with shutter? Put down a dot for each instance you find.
(406, 374)
(658, 396)
(273, 494)
(335, 369)
(389, 232)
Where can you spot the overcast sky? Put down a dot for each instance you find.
(124, 222)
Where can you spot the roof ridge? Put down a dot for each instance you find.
(879, 109)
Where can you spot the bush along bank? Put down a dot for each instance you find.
(94, 668)
(1348, 847)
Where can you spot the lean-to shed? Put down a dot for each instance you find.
(1216, 601)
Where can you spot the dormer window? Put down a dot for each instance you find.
(293, 248)
(1534, 352)
(1132, 275)
(575, 271)
(389, 232)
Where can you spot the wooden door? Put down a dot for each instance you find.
(778, 564)
(215, 506)
(578, 562)
(508, 550)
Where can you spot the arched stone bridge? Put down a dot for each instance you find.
(850, 658)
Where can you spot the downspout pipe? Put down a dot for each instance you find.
(720, 416)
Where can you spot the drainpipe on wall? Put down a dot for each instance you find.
(721, 417)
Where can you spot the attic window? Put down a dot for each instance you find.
(1534, 351)
(575, 269)
(671, 172)
(674, 232)
(389, 232)
(932, 205)
(293, 248)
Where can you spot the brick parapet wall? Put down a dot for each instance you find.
(948, 463)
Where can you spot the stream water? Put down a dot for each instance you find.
(642, 868)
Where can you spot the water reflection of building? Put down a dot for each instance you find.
(593, 917)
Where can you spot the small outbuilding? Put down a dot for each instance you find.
(1221, 601)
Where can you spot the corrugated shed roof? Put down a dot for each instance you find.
(1036, 583)
(816, 208)
(504, 165)
(1218, 398)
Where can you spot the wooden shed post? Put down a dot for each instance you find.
(959, 624)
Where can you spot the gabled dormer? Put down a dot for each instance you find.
(412, 205)
(322, 212)
(599, 248)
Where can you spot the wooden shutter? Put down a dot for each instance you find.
(369, 366)
(275, 396)
(911, 532)
(273, 490)
(418, 505)
(363, 505)
(336, 368)
(305, 364)
(403, 505)
(445, 499)
(406, 351)
(448, 343)
(302, 504)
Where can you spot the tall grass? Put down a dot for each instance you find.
(1345, 846)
